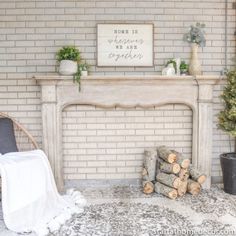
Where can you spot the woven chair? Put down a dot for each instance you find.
(24, 140)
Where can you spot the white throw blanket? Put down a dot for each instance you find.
(30, 199)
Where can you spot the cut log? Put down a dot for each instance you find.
(144, 172)
(184, 174)
(150, 159)
(181, 160)
(197, 175)
(148, 187)
(193, 187)
(168, 168)
(165, 190)
(168, 179)
(159, 162)
(182, 189)
(165, 154)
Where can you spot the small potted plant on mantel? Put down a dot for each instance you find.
(69, 57)
(183, 68)
(227, 122)
(83, 68)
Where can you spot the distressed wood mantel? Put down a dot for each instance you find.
(57, 92)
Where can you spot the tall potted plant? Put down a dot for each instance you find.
(68, 56)
(227, 122)
(195, 36)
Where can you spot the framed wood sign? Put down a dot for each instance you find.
(125, 45)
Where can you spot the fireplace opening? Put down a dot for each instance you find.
(108, 143)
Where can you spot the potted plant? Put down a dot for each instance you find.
(195, 36)
(68, 57)
(169, 69)
(84, 67)
(183, 68)
(82, 70)
(227, 122)
(172, 61)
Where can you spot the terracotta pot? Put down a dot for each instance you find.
(68, 67)
(195, 66)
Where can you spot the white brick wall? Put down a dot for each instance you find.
(32, 31)
(109, 143)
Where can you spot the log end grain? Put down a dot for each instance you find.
(177, 183)
(171, 158)
(176, 168)
(185, 163)
(148, 188)
(173, 194)
(201, 179)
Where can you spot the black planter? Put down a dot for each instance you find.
(228, 165)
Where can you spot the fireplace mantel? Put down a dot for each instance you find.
(68, 80)
(128, 91)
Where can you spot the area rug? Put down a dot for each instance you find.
(126, 211)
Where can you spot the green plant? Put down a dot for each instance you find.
(227, 117)
(68, 53)
(73, 54)
(183, 66)
(196, 35)
(77, 76)
(83, 67)
(172, 61)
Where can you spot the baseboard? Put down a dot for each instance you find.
(115, 182)
(101, 183)
(216, 180)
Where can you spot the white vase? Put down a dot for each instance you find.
(195, 66)
(84, 73)
(169, 70)
(68, 67)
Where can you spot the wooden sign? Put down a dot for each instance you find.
(124, 45)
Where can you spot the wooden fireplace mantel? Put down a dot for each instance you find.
(67, 80)
(57, 92)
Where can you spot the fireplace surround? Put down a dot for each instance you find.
(58, 92)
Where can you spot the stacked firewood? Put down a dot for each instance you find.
(168, 172)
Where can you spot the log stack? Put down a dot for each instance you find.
(168, 172)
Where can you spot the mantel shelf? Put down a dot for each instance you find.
(67, 80)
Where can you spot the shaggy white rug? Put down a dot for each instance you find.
(126, 211)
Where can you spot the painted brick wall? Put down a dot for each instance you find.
(32, 31)
(109, 143)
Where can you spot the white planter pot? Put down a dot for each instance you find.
(84, 73)
(68, 67)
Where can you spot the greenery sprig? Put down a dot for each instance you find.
(81, 67)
